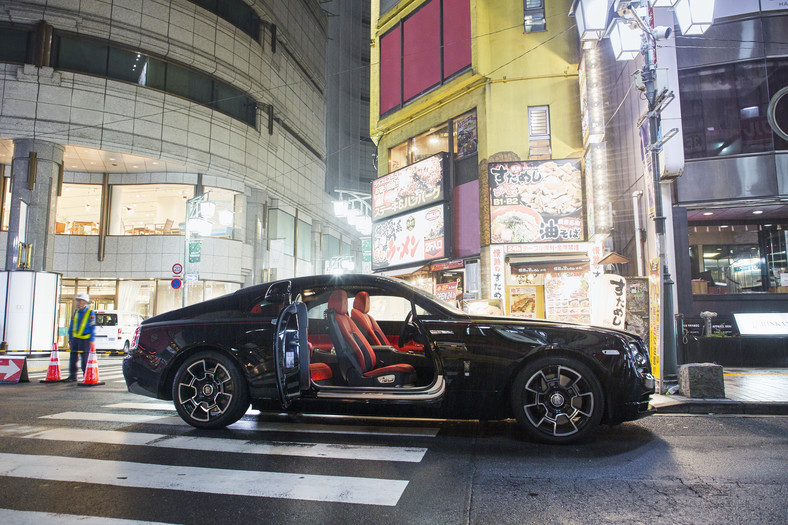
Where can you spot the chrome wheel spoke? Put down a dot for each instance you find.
(558, 401)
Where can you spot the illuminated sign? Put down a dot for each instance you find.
(762, 323)
(536, 201)
(412, 237)
(409, 188)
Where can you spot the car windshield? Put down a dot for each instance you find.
(106, 319)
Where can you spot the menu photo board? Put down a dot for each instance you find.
(415, 186)
(536, 201)
(412, 237)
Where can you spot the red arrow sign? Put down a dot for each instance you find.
(13, 369)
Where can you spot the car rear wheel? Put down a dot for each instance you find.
(557, 399)
(209, 391)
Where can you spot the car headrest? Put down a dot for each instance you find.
(338, 302)
(361, 302)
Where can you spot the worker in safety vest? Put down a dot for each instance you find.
(80, 334)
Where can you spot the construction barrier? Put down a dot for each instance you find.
(13, 370)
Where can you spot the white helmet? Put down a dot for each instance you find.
(83, 297)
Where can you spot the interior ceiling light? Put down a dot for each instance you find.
(757, 212)
(708, 213)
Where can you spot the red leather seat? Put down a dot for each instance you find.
(320, 372)
(365, 322)
(357, 360)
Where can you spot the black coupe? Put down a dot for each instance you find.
(371, 344)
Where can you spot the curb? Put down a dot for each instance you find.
(683, 405)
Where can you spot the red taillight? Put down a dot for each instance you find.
(136, 337)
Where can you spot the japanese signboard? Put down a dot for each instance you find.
(448, 291)
(413, 237)
(497, 269)
(467, 138)
(610, 301)
(536, 201)
(409, 188)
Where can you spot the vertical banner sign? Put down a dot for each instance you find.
(497, 277)
(655, 320)
(645, 157)
(610, 301)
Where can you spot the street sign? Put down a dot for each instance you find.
(177, 268)
(176, 283)
(192, 277)
(13, 370)
(195, 249)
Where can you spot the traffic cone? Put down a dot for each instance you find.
(91, 374)
(53, 372)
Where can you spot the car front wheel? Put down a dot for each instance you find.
(557, 399)
(209, 391)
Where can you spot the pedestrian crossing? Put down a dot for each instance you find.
(140, 433)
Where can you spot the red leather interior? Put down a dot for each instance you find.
(366, 323)
(320, 371)
(356, 342)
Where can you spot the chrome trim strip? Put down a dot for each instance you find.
(437, 390)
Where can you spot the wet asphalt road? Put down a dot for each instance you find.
(100, 451)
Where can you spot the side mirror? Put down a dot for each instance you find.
(279, 293)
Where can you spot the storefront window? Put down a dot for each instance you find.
(79, 209)
(224, 211)
(330, 246)
(465, 142)
(102, 292)
(281, 227)
(304, 241)
(733, 259)
(724, 110)
(136, 296)
(429, 143)
(149, 209)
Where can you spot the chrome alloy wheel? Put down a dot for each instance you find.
(205, 390)
(558, 400)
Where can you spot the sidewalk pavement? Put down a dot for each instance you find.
(755, 391)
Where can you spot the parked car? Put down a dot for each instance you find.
(115, 330)
(371, 344)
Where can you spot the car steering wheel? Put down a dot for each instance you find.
(405, 334)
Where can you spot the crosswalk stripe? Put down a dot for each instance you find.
(341, 489)
(143, 406)
(19, 517)
(312, 450)
(246, 424)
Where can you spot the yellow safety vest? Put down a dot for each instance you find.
(79, 333)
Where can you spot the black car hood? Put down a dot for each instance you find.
(546, 325)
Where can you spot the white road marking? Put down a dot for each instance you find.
(312, 450)
(152, 405)
(25, 517)
(342, 489)
(251, 424)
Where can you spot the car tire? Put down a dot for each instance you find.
(209, 391)
(557, 399)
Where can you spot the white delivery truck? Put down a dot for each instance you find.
(115, 330)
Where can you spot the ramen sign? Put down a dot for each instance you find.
(536, 201)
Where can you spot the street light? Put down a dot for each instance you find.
(625, 38)
(591, 17)
(694, 16)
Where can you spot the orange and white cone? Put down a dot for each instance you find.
(91, 374)
(53, 372)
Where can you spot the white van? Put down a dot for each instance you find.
(115, 330)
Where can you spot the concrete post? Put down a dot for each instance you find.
(37, 205)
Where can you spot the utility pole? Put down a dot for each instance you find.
(656, 103)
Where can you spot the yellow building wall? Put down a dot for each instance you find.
(511, 70)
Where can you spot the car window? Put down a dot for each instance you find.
(106, 319)
(388, 307)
